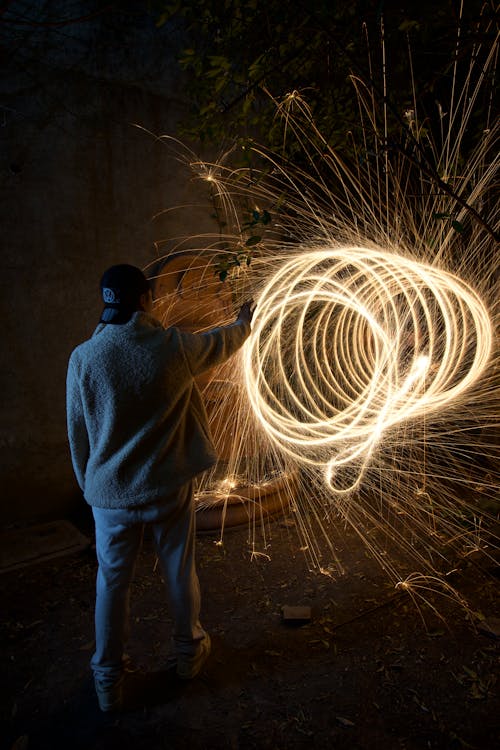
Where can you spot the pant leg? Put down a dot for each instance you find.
(118, 539)
(175, 543)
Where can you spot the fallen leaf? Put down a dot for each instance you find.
(87, 646)
(21, 743)
(345, 722)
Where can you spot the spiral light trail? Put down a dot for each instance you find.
(349, 342)
(370, 379)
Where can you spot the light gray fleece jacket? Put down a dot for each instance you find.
(137, 425)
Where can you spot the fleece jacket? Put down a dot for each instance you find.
(137, 425)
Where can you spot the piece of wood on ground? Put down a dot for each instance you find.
(296, 615)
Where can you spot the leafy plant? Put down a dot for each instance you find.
(239, 55)
(226, 262)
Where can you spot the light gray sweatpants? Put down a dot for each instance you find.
(118, 538)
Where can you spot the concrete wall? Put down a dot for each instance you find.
(78, 189)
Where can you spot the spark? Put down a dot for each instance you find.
(367, 393)
(336, 356)
(254, 555)
(228, 483)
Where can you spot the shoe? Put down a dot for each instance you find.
(189, 666)
(109, 694)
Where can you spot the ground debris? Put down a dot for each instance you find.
(490, 626)
(345, 722)
(267, 684)
(296, 614)
(21, 743)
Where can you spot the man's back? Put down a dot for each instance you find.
(131, 388)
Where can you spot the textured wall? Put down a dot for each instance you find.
(79, 187)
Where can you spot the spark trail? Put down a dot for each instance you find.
(370, 381)
(348, 343)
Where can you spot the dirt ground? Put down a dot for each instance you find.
(364, 673)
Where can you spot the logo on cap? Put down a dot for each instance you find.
(110, 296)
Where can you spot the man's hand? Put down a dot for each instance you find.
(247, 311)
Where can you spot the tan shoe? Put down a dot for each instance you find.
(189, 666)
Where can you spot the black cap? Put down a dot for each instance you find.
(121, 289)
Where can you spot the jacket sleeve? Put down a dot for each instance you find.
(206, 350)
(77, 429)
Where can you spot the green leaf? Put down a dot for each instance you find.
(213, 73)
(408, 25)
(162, 20)
(457, 226)
(441, 216)
(210, 107)
(220, 84)
(222, 275)
(281, 200)
(254, 240)
(247, 104)
(219, 61)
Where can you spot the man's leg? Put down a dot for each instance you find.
(175, 543)
(117, 544)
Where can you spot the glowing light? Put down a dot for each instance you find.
(228, 483)
(366, 369)
(348, 342)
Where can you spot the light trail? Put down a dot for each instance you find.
(348, 342)
(369, 385)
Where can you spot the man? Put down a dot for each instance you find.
(138, 434)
